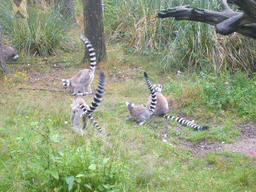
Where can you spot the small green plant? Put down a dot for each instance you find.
(51, 165)
(226, 92)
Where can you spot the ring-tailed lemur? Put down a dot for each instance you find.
(143, 113)
(79, 108)
(84, 77)
(10, 52)
(162, 108)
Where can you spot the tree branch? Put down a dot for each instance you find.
(226, 21)
(247, 6)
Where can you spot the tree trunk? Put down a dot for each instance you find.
(94, 28)
(2, 59)
(66, 9)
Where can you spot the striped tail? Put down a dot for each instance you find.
(152, 106)
(91, 50)
(186, 122)
(97, 126)
(97, 98)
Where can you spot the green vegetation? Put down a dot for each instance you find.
(182, 45)
(42, 33)
(218, 93)
(40, 151)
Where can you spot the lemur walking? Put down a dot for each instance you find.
(84, 77)
(79, 108)
(143, 113)
(162, 108)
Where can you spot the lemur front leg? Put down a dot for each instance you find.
(75, 91)
(129, 118)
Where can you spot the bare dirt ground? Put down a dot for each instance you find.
(245, 144)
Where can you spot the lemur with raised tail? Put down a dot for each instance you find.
(84, 77)
(162, 108)
(140, 113)
(10, 52)
(79, 108)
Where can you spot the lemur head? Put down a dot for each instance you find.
(66, 83)
(129, 104)
(158, 87)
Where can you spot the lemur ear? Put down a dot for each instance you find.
(127, 103)
(162, 86)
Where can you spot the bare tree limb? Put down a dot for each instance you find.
(40, 89)
(226, 21)
(248, 7)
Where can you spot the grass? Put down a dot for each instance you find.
(179, 45)
(40, 151)
(44, 32)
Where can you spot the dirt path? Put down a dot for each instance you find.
(245, 144)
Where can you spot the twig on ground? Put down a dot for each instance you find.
(40, 89)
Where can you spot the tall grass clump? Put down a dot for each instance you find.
(180, 44)
(42, 33)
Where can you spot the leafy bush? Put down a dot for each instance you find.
(50, 165)
(218, 92)
(42, 33)
(226, 92)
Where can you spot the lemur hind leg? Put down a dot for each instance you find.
(88, 89)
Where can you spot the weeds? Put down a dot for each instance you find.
(221, 93)
(42, 33)
(48, 163)
(226, 92)
(180, 45)
(40, 151)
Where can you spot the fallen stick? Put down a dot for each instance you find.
(40, 89)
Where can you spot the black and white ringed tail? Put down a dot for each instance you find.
(152, 106)
(186, 122)
(97, 98)
(91, 51)
(97, 126)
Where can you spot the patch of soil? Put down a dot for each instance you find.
(245, 144)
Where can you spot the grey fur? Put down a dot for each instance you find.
(10, 52)
(141, 114)
(162, 108)
(80, 108)
(76, 113)
(162, 104)
(84, 77)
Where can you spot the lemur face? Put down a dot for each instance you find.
(158, 87)
(65, 83)
(129, 104)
